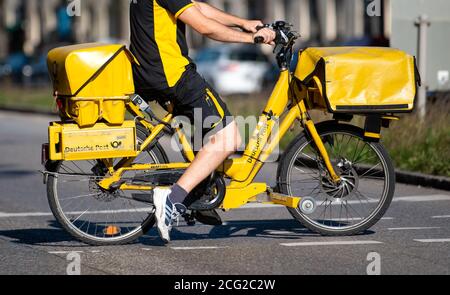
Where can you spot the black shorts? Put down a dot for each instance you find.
(194, 99)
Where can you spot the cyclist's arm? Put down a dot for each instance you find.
(215, 30)
(227, 19)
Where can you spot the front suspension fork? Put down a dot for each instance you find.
(322, 150)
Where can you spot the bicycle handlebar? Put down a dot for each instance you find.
(259, 39)
(284, 34)
(284, 41)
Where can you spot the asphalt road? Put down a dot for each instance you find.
(413, 238)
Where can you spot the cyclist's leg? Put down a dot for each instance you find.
(221, 145)
(223, 137)
(193, 93)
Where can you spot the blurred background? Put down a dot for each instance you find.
(29, 28)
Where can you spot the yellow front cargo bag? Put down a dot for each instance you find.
(92, 82)
(360, 79)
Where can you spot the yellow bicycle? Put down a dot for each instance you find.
(334, 178)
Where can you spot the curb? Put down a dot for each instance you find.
(425, 180)
(412, 178)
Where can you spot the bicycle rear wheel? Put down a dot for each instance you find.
(92, 215)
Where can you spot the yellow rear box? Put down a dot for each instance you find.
(360, 79)
(92, 81)
(70, 142)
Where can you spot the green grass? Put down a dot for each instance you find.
(26, 98)
(422, 147)
(413, 146)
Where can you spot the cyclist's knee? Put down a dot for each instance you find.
(229, 138)
(238, 139)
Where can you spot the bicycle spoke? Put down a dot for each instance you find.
(345, 205)
(80, 215)
(351, 207)
(378, 164)
(81, 196)
(356, 151)
(97, 214)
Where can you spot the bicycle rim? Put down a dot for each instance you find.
(365, 187)
(94, 214)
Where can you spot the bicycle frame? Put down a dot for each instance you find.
(242, 171)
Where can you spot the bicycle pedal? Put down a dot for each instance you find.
(189, 218)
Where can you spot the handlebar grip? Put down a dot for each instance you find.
(259, 40)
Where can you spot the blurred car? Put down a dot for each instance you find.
(233, 70)
(12, 67)
(35, 72)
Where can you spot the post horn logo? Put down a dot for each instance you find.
(116, 144)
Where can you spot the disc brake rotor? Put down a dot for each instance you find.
(348, 184)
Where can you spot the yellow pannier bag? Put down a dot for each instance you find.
(92, 82)
(359, 79)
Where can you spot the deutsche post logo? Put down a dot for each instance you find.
(116, 144)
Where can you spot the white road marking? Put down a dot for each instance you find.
(428, 198)
(26, 214)
(441, 216)
(412, 228)
(246, 222)
(423, 198)
(259, 205)
(331, 243)
(64, 252)
(111, 211)
(260, 222)
(198, 248)
(358, 218)
(432, 240)
(40, 214)
(281, 232)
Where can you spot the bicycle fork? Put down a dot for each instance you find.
(309, 125)
(322, 150)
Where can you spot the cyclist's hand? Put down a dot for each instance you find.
(269, 35)
(252, 25)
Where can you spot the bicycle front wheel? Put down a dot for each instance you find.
(359, 200)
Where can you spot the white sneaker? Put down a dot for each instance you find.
(165, 212)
